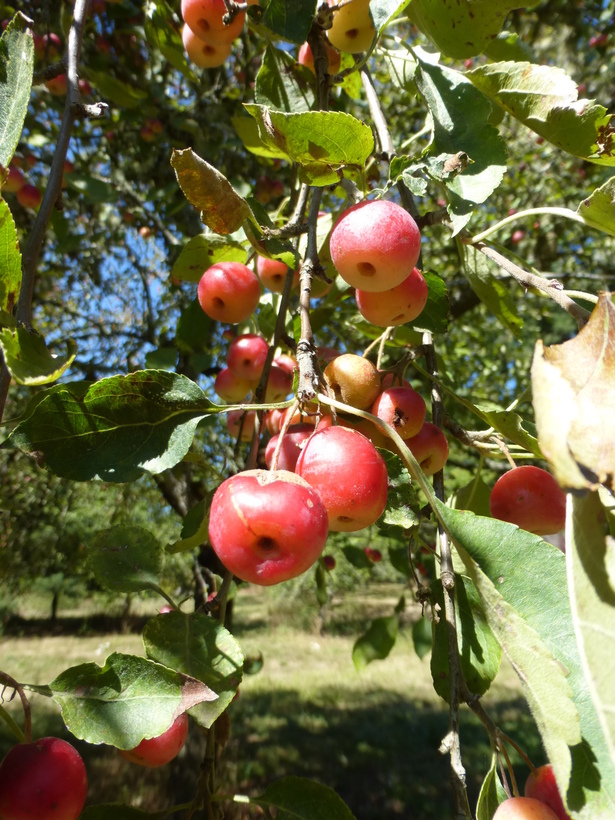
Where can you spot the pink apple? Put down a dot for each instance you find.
(375, 245)
(158, 751)
(246, 356)
(523, 808)
(279, 384)
(429, 447)
(272, 274)
(290, 448)
(349, 474)
(402, 408)
(229, 292)
(29, 197)
(15, 181)
(204, 55)
(541, 785)
(267, 526)
(233, 389)
(286, 363)
(241, 422)
(397, 306)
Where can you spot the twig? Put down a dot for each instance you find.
(379, 120)
(551, 288)
(7, 680)
(309, 373)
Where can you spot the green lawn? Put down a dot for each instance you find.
(373, 736)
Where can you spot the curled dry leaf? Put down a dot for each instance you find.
(573, 386)
(222, 209)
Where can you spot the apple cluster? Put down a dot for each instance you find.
(542, 800)
(207, 38)
(15, 182)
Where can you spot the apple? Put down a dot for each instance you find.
(353, 380)
(290, 449)
(531, 498)
(272, 421)
(85, 89)
(306, 58)
(146, 134)
(517, 236)
(397, 306)
(229, 292)
(204, 55)
(49, 46)
(402, 408)
(329, 562)
(286, 363)
(352, 30)
(205, 18)
(233, 389)
(279, 384)
(373, 554)
(429, 447)
(375, 245)
(29, 197)
(158, 751)
(57, 86)
(155, 124)
(241, 421)
(14, 182)
(348, 473)
(267, 526)
(523, 808)
(246, 356)
(541, 785)
(392, 379)
(45, 780)
(272, 273)
(145, 232)
(266, 189)
(327, 354)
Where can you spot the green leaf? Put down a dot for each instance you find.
(122, 94)
(96, 190)
(529, 574)
(421, 637)
(194, 529)
(16, 68)
(402, 504)
(357, 558)
(398, 556)
(163, 358)
(479, 651)
(161, 35)
(492, 793)
(510, 425)
(119, 812)
(203, 251)
(508, 45)
(194, 329)
(467, 153)
(544, 98)
(474, 497)
(290, 19)
(434, 316)
(29, 360)
(461, 28)
(126, 700)
(126, 558)
(383, 11)
(297, 798)
(280, 83)
(321, 143)
(589, 555)
(10, 259)
(222, 209)
(198, 646)
(116, 429)
(491, 291)
(377, 642)
(598, 210)
(247, 131)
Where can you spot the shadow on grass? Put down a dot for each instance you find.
(381, 756)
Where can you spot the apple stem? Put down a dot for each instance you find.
(497, 440)
(511, 773)
(26, 735)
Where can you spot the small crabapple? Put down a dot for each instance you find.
(531, 498)
(158, 751)
(229, 292)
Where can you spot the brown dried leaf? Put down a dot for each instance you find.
(573, 387)
(222, 209)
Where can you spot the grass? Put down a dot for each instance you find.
(373, 736)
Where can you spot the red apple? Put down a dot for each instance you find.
(15, 181)
(29, 197)
(246, 356)
(279, 384)
(397, 306)
(49, 46)
(272, 274)
(523, 808)
(531, 498)
(267, 527)
(541, 785)
(229, 292)
(348, 473)
(204, 55)
(373, 554)
(57, 86)
(353, 380)
(158, 751)
(273, 421)
(290, 449)
(233, 389)
(402, 408)
(85, 89)
(329, 562)
(45, 780)
(352, 30)
(375, 245)
(429, 447)
(286, 363)
(241, 421)
(146, 134)
(392, 380)
(306, 58)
